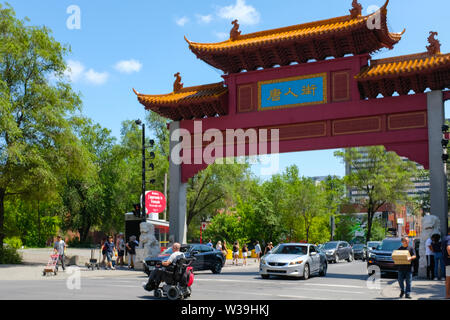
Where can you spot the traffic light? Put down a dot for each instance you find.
(137, 209)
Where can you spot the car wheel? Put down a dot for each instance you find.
(336, 259)
(217, 267)
(323, 272)
(265, 276)
(306, 272)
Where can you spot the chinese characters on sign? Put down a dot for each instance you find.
(291, 92)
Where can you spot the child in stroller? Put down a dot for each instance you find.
(178, 279)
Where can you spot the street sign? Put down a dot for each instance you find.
(204, 225)
(155, 202)
(400, 221)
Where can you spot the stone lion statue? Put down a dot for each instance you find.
(148, 241)
(430, 226)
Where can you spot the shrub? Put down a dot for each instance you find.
(9, 256)
(14, 242)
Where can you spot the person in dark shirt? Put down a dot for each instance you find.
(439, 260)
(404, 270)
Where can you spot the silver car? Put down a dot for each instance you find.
(293, 260)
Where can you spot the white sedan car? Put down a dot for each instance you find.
(293, 260)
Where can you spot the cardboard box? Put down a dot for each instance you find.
(401, 257)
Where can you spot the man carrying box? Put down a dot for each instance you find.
(404, 269)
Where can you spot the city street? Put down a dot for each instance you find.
(343, 281)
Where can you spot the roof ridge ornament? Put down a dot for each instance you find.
(435, 45)
(235, 33)
(356, 10)
(177, 85)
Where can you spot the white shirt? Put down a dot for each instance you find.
(175, 256)
(428, 252)
(257, 248)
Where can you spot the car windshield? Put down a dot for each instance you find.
(358, 246)
(391, 245)
(290, 249)
(330, 245)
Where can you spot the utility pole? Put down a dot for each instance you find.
(143, 215)
(165, 195)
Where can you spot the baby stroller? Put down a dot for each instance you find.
(177, 279)
(94, 263)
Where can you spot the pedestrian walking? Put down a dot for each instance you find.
(224, 250)
(268, 248)
(59, 248)
(131, 249)
(258, 251)
(236, 252)
(439, 263)
(110, 252)
(404, 270)
(120, 245)
(430, 259)
(244, 254)
(209, 243)
(103, 248)
(219, 245)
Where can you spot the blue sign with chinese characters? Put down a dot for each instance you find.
(292, 92)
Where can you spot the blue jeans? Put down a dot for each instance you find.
(439, 260)
(402, 277)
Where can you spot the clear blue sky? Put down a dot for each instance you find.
(147, 37)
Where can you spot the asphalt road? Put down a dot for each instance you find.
(344, 280)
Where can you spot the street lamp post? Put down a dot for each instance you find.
(143, 215)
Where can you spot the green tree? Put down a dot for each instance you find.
(383, 176)
(36, 139)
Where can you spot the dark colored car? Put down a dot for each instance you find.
(360, 252)
(206, 258)
(382, 256)
(338, 250)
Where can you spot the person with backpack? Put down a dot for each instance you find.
(436, 245)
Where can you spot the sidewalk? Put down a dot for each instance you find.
(36, 259)
(421, 290)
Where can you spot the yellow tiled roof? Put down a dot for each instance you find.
(297, 32)
(404, 65)
(185, 96)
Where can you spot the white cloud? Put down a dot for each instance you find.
(128, 66)
(204, 19)
(95, 77)
(182, 21)
(74, 71)
(246, 14)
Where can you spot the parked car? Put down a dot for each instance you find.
(372, 245)
(360, 251)
(382, 256)
(206, 258)
(338, 250)
(295, 260)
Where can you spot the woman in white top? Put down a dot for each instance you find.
(219, 245)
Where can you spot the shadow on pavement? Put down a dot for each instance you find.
(347, 276)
